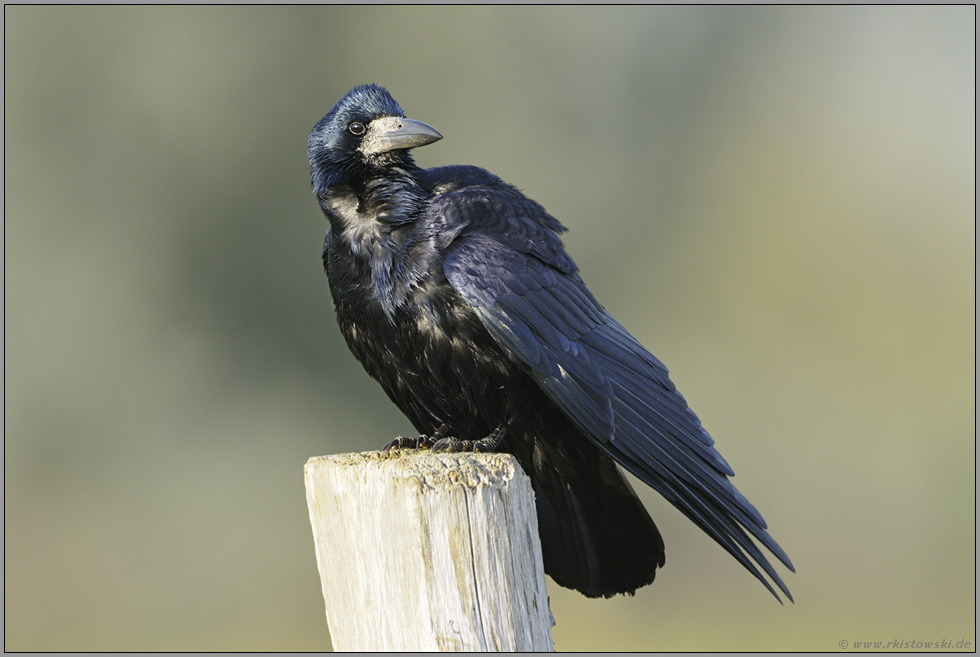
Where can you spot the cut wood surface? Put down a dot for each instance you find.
(423, 551)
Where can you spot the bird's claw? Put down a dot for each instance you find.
(404, 442)
(488, 444)
(451, 444)
(422, 442)
(440, 442)
(401, 442)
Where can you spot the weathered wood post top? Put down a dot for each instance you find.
(423, 551)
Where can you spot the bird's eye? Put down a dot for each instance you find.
(357, 129)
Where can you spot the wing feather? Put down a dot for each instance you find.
(612, 388)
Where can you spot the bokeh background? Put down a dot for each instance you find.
(778, 202)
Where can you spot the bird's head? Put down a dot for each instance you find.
(365, 130)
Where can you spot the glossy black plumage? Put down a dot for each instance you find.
(455, 293)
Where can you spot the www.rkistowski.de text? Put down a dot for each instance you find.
(910, 644)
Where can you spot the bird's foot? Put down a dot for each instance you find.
(487, 444)
(422, 442)
(404, 442)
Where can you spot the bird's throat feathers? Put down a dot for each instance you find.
(376, 224)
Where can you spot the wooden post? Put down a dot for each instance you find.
(423, 551)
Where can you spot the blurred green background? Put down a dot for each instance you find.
(778, 202)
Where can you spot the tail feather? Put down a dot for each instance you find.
(596, 536)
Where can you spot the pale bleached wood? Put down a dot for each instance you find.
(423, 551)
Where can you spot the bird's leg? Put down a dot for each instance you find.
(422, 442)
(488, 444)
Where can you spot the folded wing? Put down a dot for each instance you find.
(612, 388)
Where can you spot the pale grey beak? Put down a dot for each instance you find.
(391, 133)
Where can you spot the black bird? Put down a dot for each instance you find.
(455, 293)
